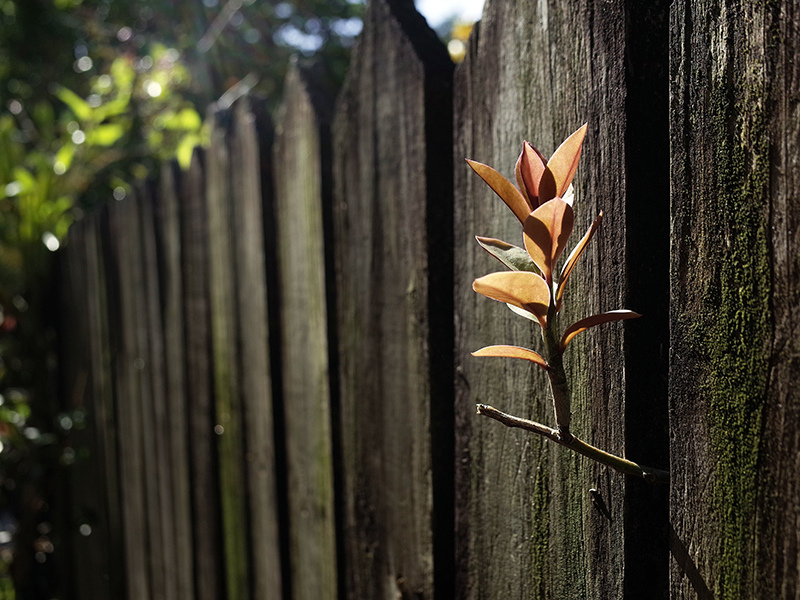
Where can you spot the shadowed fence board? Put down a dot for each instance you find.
(156, 425)
(96, 553)
(169, 238)
(137, 497)
(199, 383)
(302, 184)
(525, 522)
(734, 406)
(249, 144)
(392, 206)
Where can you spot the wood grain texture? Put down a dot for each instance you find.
(734, 408)
(156, 426)
(137, 497)
(250, 137)
(227, 374)
(300, 181)
(168, 237)
(96, 558)
(205, 509)
(391, 166)
(525, 522)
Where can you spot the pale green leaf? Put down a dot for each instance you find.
(105, 135)
(79, 107)
(514, 257)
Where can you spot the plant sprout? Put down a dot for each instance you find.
(542, 201)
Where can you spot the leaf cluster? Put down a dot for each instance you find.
(543, 203)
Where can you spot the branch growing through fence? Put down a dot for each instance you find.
(543, 204)
(617, 463)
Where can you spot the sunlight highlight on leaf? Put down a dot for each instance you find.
(503, 188)
(521, 288)
(512, 352)
(584, 324)
(564, 161)
(546, 232)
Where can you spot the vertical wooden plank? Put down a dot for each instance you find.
(156, 426)
(94, 534)
(248, 147)
(168, 227)
(102, 390)
(136, 495)
(205, 509)
(392, 206)
(525, 522)
(300, 191)
(227, 377)
(734, 408)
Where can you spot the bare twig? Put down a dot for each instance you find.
(573, 443)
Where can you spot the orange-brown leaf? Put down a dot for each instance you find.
(529, 170)
(546, 232)
(512, 352)
(503, 188)
(573, 257)
(584, 324)
(523, 289)
(564, 161)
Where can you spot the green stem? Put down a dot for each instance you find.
(562, 402)
(617, 463)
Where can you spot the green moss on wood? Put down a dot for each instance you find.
(736, 325)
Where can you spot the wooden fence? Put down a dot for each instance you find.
(272, 347)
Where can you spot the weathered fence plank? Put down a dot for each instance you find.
(137, 494)
(169, 242)
(227, 377)
(302, 200)
(95, 528)
(241, 358)
(199, 384)
(526, 525)
(156, 427)
(250, 136)
(734, 406)
(392, 207)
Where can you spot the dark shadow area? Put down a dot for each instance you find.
(685, 563)
(646, 510)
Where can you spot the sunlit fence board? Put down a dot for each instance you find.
(526, 525)
(241, 368)
(302, 201)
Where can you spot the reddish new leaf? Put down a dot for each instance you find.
(503, 188)
(546, 232)
(564, 161)
(573, 257)
(529, 170)
(522, 289)
(513, 352)
(584, 324)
